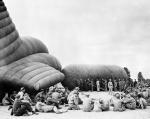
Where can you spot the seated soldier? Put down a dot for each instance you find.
(40, 96)
(97, 106)
(6, 100)
(104, 105)
(145, 93)
(148, 99)
(117, 103)
(76, 89)
(142, 104)
(73, 102)
(129, 102)
(101, 105)
(21, 108)
(21, 92)
(54, 99)
(64, 96)
(12, 96)
(148, 89)
(72, 92)
(27, 99)
(49, 93)
(42, 107)
(88, 104)
(52, 88)
(67, 90)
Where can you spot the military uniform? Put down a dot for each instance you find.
(20, 108)
(88, 105)
(73, 102)
(118, 104)
(130, 103)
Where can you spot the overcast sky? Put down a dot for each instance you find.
(89, 31)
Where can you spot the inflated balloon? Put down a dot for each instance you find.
(25, 61)
(80, 75)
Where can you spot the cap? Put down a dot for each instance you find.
(77, 88)
(22, 88)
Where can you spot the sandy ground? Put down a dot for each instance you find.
(128, 114)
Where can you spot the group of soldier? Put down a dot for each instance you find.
(60, 100)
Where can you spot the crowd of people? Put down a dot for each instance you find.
(60, 100)
(97, 84)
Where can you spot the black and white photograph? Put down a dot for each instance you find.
(74, 59)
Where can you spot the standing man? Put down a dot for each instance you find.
(40, 96)
(88, 84)
(119, 85)
(135, 83)
(21, 108)
(110, 86)
(85, 84)
(105, 84)
(73, 101)
(92, 85)
(115, 85)
(98, 85)
(81, 84)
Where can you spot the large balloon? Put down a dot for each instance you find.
(24, 61)
(77, 75)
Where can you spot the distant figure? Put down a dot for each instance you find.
(110, 86)
(81, 84)
(85, 84)
(98, 85)
(88, 82)
(115, 85)
(135, 83)
(121, 85)
(118, 85)
(92, 85)
(105, 85)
